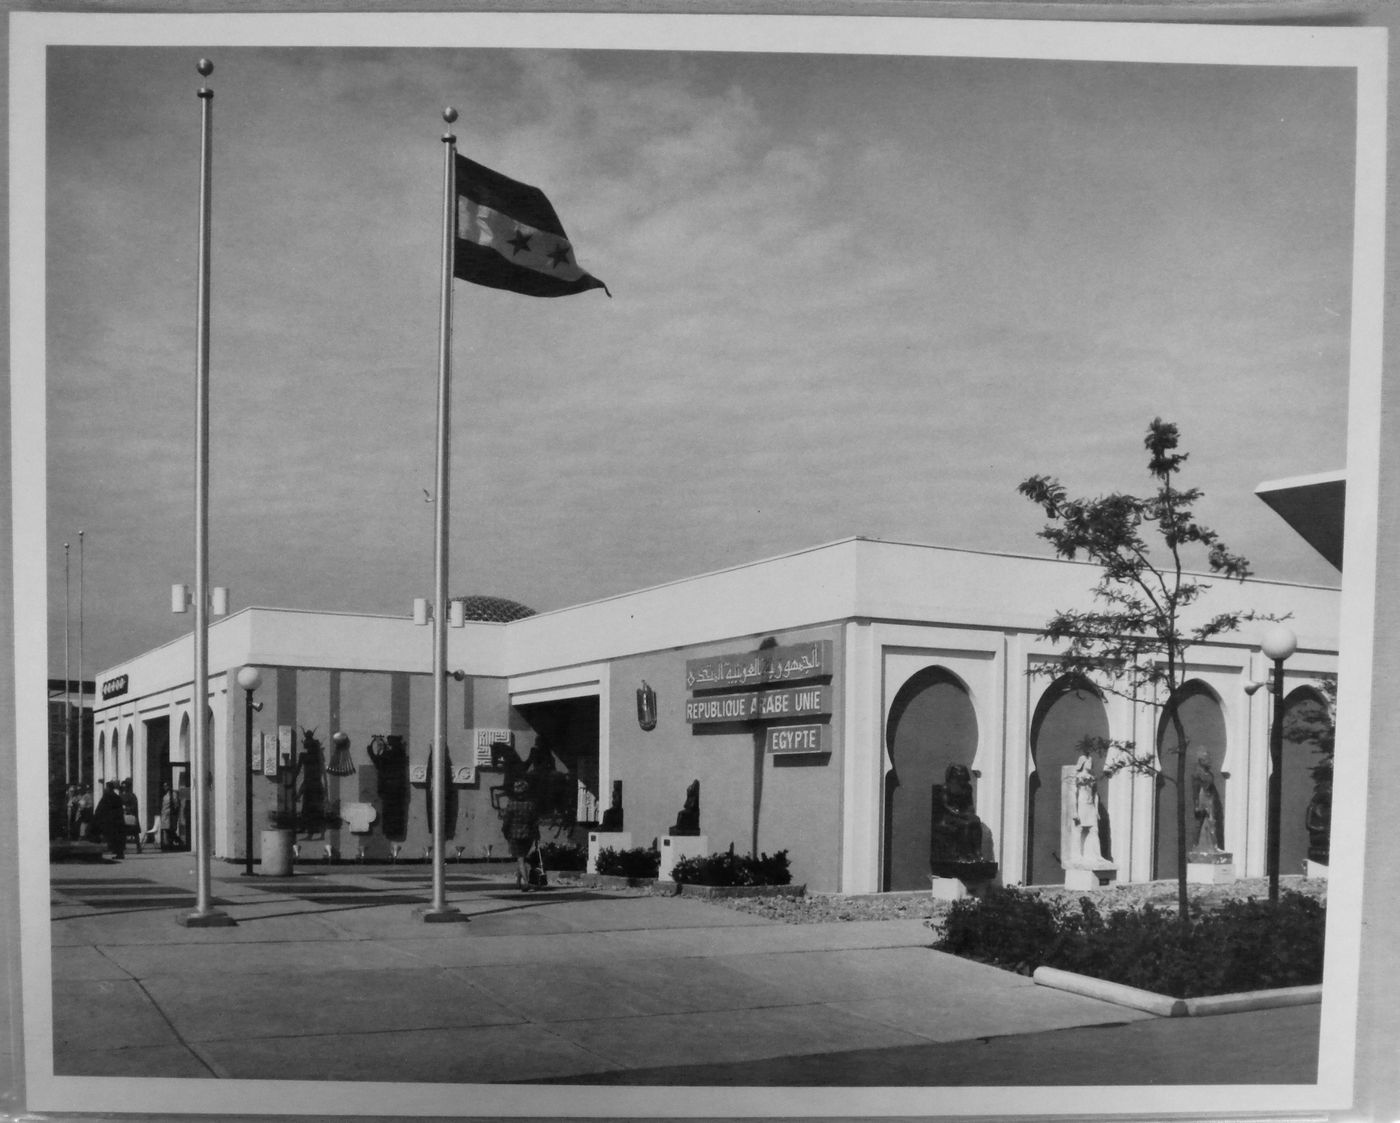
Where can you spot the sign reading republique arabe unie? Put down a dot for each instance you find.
(760, 705)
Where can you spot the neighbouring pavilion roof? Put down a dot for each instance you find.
(494, 610)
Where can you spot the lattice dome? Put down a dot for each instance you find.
(495, 610)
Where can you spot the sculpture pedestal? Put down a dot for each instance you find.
(1210, 867)
(1091, 877)
(606, 840)
(956, 889)
(678, 846)
(1316, 870)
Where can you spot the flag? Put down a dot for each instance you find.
(508, 237)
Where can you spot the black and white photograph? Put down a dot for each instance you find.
(647, 565)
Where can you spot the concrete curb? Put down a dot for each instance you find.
(676, 888)
(1164, 1006)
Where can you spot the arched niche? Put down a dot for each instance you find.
(931, 724)
(1306, 716)
(1070, 710)
(1203, 724)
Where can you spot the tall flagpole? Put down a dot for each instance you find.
(440, 910)
(81, 694)
(204, 915)
(67, 683)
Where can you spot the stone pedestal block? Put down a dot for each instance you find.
(1317, 870)
(676, 847)
(1086, 877)
(1210, 873)
(606, 840)
(949, 889)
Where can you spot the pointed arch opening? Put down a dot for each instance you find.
(931, 724)
(1070, 710)
(1202, 721)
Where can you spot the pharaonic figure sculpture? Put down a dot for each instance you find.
(688, 818)
(955, 831)
(390, 760)
(1205, 799)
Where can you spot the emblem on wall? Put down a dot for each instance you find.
(646, 706)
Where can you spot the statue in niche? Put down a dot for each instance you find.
(688, 818)
(955, 835)
(1205, 799)
(311, 767)
(390, 760)
(612, 817)
(1319, 823)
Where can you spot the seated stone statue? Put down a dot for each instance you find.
(612, 817)
(1319, 823)
(688, 818)
(955, 836)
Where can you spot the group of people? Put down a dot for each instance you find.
(117, 815)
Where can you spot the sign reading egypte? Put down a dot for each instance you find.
(798, 739)
(760, 705)
(794, 663)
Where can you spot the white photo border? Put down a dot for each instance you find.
(1361, 49)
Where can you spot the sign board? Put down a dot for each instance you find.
(269, 755)
(256, 765)
(115, 687)
(795, 663)
(760, 705)
(798, 739)
(485, 738)
(286, 746)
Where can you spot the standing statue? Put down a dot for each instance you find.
(311, 766)
(955, 831)
(1086, 808)
(688, 818)
(1205, 798)
(390, 760)
(449, 799)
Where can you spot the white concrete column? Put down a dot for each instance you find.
(862, 760)
(1018, 765)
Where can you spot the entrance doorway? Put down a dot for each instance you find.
(567, 728)
(157, 769)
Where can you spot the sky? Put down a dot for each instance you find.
(851, 295)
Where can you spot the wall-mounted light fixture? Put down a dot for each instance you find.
(646, 707)
(182, 600)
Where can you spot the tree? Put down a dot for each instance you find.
(1135, 642)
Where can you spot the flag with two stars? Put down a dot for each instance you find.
(508, 237)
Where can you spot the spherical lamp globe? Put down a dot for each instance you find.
(1279, 642)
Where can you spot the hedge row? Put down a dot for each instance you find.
(1237, 946)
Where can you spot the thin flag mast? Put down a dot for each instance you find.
(440, 911)
(67, 684)
(204, 915)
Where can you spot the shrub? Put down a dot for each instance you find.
(564, 855)
(1242, 945)
(733, 869)
(636, 862)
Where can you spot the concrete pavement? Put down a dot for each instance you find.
(329, 975)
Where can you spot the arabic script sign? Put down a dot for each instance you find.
(774, 664)
(760, 705)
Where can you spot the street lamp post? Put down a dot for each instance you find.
(1278, 644)
(249, 678)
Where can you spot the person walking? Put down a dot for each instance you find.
(111, 821)
(169, 817)
(520, 823)
(131, 810)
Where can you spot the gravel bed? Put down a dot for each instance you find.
(821, 908)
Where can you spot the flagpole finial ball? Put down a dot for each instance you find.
(449, 115)
(205, 67)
